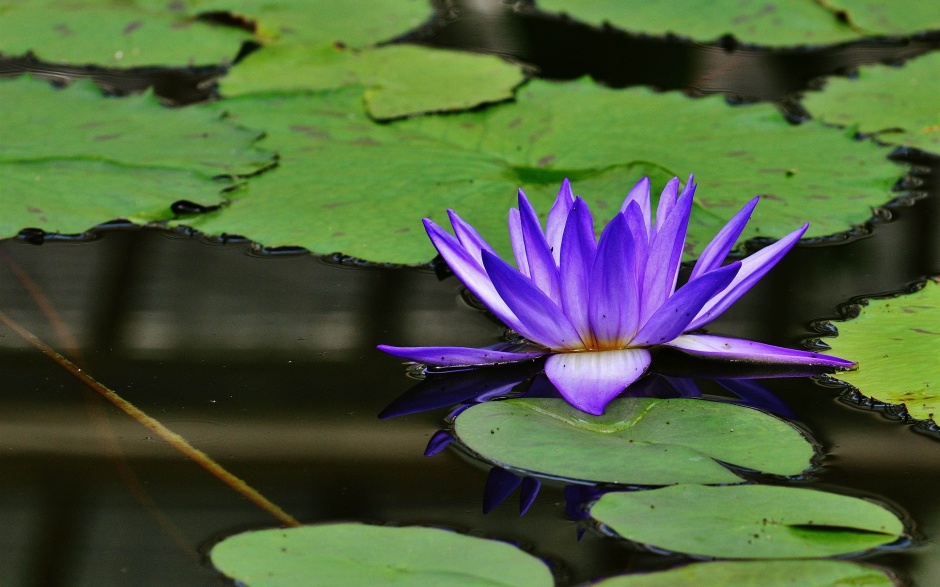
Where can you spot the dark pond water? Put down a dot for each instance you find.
(267, 362)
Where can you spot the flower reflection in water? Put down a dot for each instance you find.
(595, 308)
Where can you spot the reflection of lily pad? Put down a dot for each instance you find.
(347, 184)
(748, 521)
(808, 573)
(638, 441)
(400, 79)
(113, 33)
(782, 22)
(902, 101)
(357, 554)
(896, 343)
(72, 158)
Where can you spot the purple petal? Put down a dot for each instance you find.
(528, 493)
(716, 251)
(470, 272)
(455, 356)
(613, 304)
(662, 265)
(577, 256)
(542, 268)
(539, 319)
(558, 218)
(468, 236)
(518, 241)
(673, 318)
(439, 441)
(641, 245)
(667, 201)
(589, 380)
(736, 349)
(499, 484)
(752, 269)
(640, 193)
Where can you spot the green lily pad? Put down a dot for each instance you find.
(896, 342)
(804, 573)
(354, 23)
(901, 104)
(347, 184)
(400, 80)
(898, 17)
(760, 22)
(357, 554)
(114, 33)
(748, 521)
(72, 158)
(638, 441)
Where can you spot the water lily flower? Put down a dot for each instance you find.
(596, 307)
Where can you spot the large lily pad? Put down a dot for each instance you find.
(760, 22)
(357, 554)
(347, 184)
(748, 521)
(900, 101)
(638, 441)
(114, 33)
(72, 158)
(400, 80)
(896, 343)
(804, 573)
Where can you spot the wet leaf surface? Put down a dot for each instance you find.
(898, 103)
(114, 33)
(808, 573)
(346, 184)
(896, 342)
(748, 521)
(898, 17)
(94, 159)
(638, 441)
(400, 80)
(358, 554)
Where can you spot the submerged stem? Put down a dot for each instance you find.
(172, 438)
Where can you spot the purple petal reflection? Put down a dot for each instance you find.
(499, 484)
(439, 441)
(528, 493)
(755, 395)
(456, 356)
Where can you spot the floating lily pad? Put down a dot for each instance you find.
(114, 33)
(808, 573)
(347, 184)
(357, 554)
(748, 521)
(896, 343)
(899, 103)
(400, 80)
(759, 22)
(898, 17)
(72, 158)
(354, 23)
(638, 441)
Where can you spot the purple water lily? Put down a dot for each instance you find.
(595, 307)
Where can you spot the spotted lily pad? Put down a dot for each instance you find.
(748, 521)
(400, 80)
(899, 103)
(759, 22)
(347, 184)
(783, 573)
(896, 342)
(357, 554)
(72, 158)
(638, 441)
(877, 17)
(114, 33)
